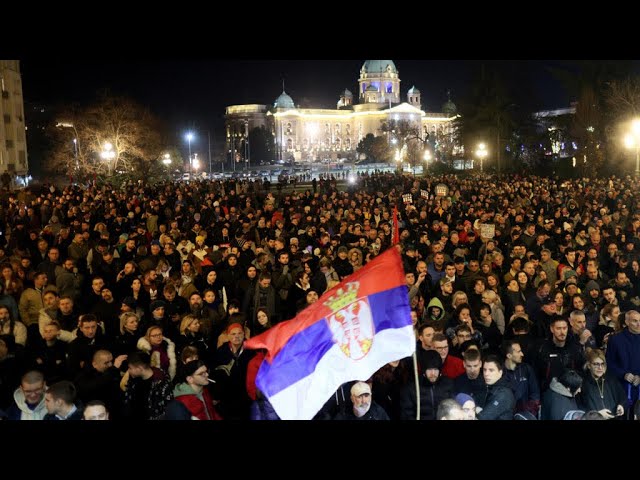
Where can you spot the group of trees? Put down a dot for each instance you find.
(130, 135)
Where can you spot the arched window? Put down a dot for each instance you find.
(348, 129)
(347, 144)
(289, 144)
(327, 128)
(288, 130)
(338, 144)
(337, 129)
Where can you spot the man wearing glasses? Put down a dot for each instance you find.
(192, 400)
(29, 398)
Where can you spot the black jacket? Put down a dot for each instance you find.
(431, 394)
(376, 412)
(612, 393)
(498, 402)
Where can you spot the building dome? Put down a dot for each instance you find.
(449, 107)
(347, 93)
(378, 66)
(414, 91)
(284, 101)
(371, 88)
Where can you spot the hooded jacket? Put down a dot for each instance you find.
(189, 405)
(557, 401)
(20, 411)
(145, 346)
(439, 322)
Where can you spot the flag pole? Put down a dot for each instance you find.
(396, 240)
(415, 370)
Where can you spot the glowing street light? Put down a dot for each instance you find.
(108, 154)
(632, 141)
(166, 159)
(481, 153)
(427, 158)
(189, 137)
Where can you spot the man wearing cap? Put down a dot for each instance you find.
(364, 408)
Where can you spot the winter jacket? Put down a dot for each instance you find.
(498, 403)
(189, 405)
(524, 384)
(375, 412)
(552, 360)
(557, 401)
(20, 411)
(612, 395)
(431, 394)
(169, 347)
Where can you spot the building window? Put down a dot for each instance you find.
(5, 94)
(7, 118)
(289, 144)
(347, 144)
(348, 129)
(22, 157)
(327, 128)
(338, 144)
(337, 129)
(288, 129)
(9, 143)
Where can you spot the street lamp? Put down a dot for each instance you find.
(108, 155)
(189, 137)
(166, 159)
(632, 140)
(427, 157)
(481, 153)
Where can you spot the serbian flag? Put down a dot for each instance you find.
(395, 239)
(353, 330)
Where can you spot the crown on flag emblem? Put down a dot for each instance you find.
(351, 322)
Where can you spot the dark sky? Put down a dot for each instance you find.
(193, 92)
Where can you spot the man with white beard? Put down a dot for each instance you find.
(364, 408)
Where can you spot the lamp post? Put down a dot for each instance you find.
(632, 141)
(427, 157)
(481, 153)
(108, 155)
(166, 159)
(189, 137)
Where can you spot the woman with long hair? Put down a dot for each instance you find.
(608, 325)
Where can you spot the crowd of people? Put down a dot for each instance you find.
(134, 303)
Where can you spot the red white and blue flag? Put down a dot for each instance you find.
(352, 331)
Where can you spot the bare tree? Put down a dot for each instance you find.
(115, 124)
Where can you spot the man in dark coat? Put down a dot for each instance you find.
(364, 408)
(498, 403)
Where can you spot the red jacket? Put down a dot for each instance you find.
(197, 408)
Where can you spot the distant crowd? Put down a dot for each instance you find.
(135, 302)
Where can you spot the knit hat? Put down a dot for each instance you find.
(592, 285)
(234, 325)
(463, 398)
(431, 359)
(156, 304)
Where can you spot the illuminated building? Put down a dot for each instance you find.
(314, 134)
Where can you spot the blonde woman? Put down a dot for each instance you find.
(601, 390)
(497, 309)
(355, 258)
(458, 298)
(161, 349)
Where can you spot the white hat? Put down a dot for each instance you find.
(360, 388)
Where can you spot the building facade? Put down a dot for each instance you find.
(314, 134)
(13, 143)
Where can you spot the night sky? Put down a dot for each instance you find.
(193, 93)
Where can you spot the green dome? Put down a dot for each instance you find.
(284, 101)
(378, 66)
(413, 90)
(347, 93)
(449, 107)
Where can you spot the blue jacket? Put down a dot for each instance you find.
(498, 403)
(524, 384)
(623, 356)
